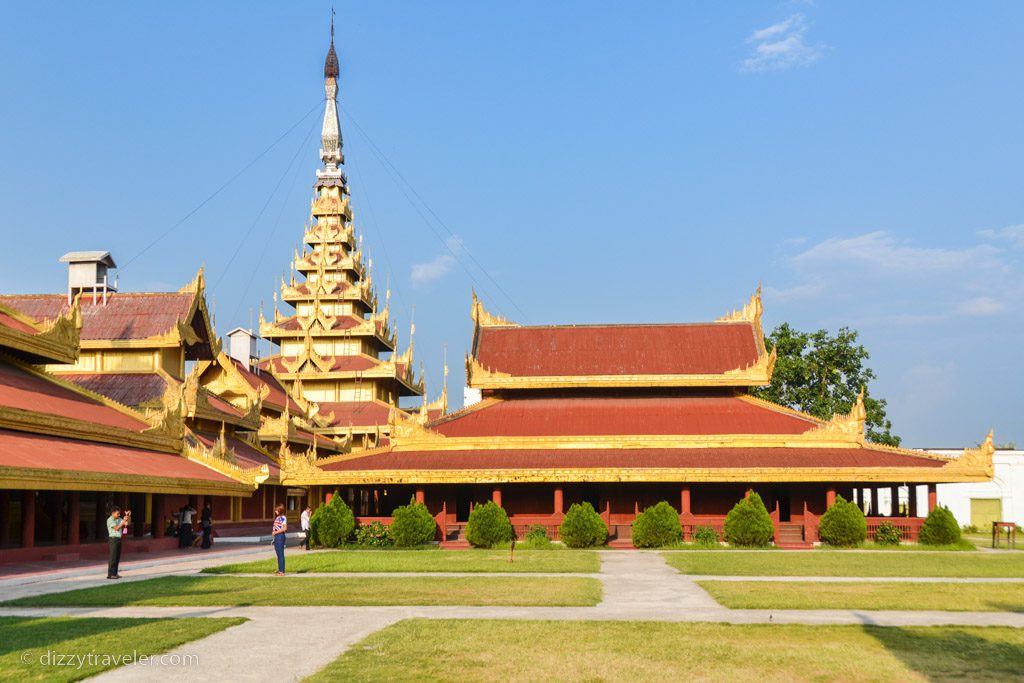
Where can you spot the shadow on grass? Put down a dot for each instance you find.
(18, 634)
(954, 654)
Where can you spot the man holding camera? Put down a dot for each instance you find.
(116, 524)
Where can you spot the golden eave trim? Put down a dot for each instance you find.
(55, 340)
(48, 424)
(75, 480)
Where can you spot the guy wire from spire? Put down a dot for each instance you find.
(216, 192)
(387, 163)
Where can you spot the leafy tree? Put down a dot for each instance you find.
(412, 525)
(748, 523)
(822, 374)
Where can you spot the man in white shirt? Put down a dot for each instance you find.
(304, 524)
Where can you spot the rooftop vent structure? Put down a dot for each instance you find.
(87, 272)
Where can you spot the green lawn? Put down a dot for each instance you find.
(955, 597)
(469, 650)
(847, 563)
(200, 591)
(26, 641)
(424, 561)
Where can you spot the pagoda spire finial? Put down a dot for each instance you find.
(330, 136)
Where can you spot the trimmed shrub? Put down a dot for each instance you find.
(705, 537)
(843, 525)
(657, 526)
(887, 534)
(374, 535)
(412, 525)
(332, 524)
(488, 526)
(536, 538)
(940, 528)
(748, 523)
(582, 527)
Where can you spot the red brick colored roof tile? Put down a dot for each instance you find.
(247, 456)
(674, 349)
(13, 323)
(26, 391)
(37, 451)
(277, 396)
(613, 458)
(338, 364)
(130, 389)
(356, 413)
(129, 315)
(579, 416)
(341, 322)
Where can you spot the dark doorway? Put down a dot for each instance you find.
(463, 502)
(590, 495)
(783, 503)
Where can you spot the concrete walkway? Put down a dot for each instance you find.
(638, 586)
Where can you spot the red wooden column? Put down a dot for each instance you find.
(28, 519)
(156, 524)
(74, 517)
(830, 497)
(559, 504)
(874, 501)
(894, 501)
(684, 500)
(5, 518)
(496, 496)
(420, 494)
(933, 497)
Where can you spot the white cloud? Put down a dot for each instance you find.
(879, 278)
(439, 266)
(1013, 233)
(781, 46)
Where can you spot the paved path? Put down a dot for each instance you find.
(637, 586)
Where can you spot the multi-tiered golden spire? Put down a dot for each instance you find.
(332, 347)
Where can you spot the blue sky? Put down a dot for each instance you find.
(604, 162)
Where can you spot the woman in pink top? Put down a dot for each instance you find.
(280, 528)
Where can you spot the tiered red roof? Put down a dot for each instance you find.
(128, 315)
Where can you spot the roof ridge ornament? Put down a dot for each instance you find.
(751, 311)
(484, 318)
(851, 423)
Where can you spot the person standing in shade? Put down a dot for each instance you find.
(307, 513)
(278, 536)
(207, 521)
(115, 529)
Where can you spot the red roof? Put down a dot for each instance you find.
(341, 322)
(675, 349)
(277, 395)
(37, 451)
(220, 405)
(13, 323)
(131, 315)
(338, 363)
(578, 416)
(247, 456)
(615, 458)
(130, 389)
(27, 391)
(355, 413)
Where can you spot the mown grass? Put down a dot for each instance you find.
(954, 597)
(30, 647)
(483, 561)
(203, 591)
(845, 563)
(472, 650)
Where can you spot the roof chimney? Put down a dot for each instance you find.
(242, 346)
(87, 272)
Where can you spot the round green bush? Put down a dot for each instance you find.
(843, 525)
(705, 537)
(657, 526)
(373, 535)
(748, 523)
(536, 538)
(332, 524)
(887, 534)
(940, 528)
(412, 525)
(582, 527)
(488, 526)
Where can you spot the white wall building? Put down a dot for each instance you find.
(999, 500)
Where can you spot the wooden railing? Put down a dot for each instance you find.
(810, 526)
(910, 527)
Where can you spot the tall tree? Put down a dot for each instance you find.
(822, 374)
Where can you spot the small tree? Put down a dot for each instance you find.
(843, 525)
(332, 524)
(748, 523)
(705, 537)
(582, 527)
(887, 534)
(940, 528)
(657, 526)
(488, 526)
(412, 525)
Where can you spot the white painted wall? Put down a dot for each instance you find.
(1007, 485)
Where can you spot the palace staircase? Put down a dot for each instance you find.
(455, 536)
(791, 537)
